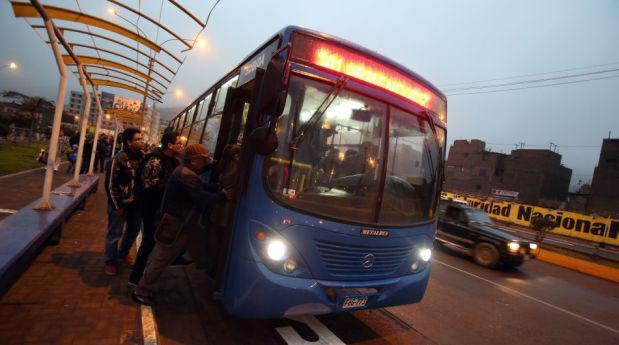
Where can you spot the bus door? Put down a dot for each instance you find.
(237, 123)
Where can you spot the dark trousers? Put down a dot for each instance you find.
(164, 254)
(99, 163)
(149, 225)
(129, 222)
(85, 165)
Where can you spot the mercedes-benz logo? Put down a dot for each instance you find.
(368, 261)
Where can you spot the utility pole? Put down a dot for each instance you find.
(150, 69)
(551, 145)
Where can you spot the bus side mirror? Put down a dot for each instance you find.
(272, 89)
(263, 140)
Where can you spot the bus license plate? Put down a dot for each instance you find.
(354, 302)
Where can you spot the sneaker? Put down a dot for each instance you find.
(111, 269)
(142, 300)
(127, 260)
(181, 262)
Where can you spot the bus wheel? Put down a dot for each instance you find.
(486, 254)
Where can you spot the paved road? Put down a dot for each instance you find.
(465, 304)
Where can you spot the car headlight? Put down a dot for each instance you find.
(277, 250)
(425, 254)
(513, 246)
(533, 246)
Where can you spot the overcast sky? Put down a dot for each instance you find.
(446, 42)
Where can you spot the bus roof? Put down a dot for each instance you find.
(286, 34)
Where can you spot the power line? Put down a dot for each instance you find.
(539, 145)
(533, 87)
(533, 80)
(531, 74)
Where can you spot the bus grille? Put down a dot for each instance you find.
(347, 260)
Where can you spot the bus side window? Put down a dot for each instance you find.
(220, 97)
(211, 132)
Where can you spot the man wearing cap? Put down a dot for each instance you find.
(185, 199)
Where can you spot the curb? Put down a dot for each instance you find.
(580, 265)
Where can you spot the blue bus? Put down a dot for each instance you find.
(342, 154)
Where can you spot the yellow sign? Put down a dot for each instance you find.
(596, 229)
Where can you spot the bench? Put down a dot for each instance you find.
(24, 233)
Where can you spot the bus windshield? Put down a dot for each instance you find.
(359, 149)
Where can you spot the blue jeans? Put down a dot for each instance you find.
(115, 225)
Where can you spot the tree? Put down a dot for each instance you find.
(33, 105)
(542, 226)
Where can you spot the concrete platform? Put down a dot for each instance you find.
(64, 297)
(23, 234)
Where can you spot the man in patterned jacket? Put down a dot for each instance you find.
(154, 173)
(123, 204)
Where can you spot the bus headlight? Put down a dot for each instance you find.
(290, 265)
(276, 250)
(513, 247)
(533, 246)
(425, 254)
(276, 253)
(422, 257)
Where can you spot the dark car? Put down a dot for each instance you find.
(470, 230)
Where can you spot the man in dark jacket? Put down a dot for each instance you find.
(86, 154)
(123, 205)
(186, 198)
(100, 154)
(155, 172)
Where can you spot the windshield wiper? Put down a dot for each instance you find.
(427, 149)
(324, 105)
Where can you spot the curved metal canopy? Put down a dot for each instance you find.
(27, 10)
(139, 79)
(112, 69)
(134, 82)
(119, 55)
(116, 84)
(92, 60)
(113, 41)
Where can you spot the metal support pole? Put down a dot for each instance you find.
(115, 138)
(97, 128)
(75, 183)
(150, 69)
(45, 204)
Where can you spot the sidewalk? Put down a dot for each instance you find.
(18, 190)
(64, 296)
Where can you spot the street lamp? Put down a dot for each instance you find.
(200, 42)
(10, 65)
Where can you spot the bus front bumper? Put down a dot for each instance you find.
(260, 293)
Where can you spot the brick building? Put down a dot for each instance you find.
(535, 174)
(604, 195)
(470, 168)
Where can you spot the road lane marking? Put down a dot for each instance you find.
(325, 336)
(149, 327)
(149, 330)
(503, 287)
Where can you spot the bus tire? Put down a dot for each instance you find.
(486, 254)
